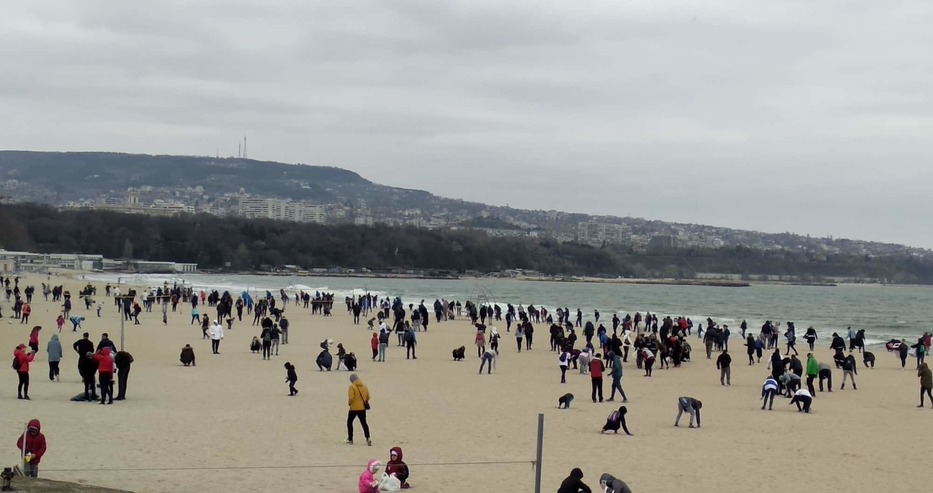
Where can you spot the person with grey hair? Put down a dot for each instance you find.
(358, 401)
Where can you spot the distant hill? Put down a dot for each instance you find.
(215, 184)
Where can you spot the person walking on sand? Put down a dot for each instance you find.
(519, 334)
(616, 375)
(563, 361)
(374, 343)
(410, 342)
(54, 349)
(926, 382)
(723, 364)
(291, 377)
(690, 406)
(26, 311)
(358, 401)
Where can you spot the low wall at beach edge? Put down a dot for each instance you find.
(33, 485)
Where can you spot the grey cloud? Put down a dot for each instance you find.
(805, 116)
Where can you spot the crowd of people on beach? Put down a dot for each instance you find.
(597, 352)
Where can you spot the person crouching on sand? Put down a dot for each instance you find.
(368, 482)
(397, 467)
(187, 355)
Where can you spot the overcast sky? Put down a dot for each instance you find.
(803, 116)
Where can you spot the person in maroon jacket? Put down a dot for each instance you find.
(32, 445)
(398, 467)
(105, 374)
(596, 376)
(21, 359)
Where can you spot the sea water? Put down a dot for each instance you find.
(883, 311)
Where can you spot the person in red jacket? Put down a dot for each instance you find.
(596, 376)
(105, 372)
(32, 445)
(398, 467)
(22, 359)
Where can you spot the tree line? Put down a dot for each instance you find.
(240, 244)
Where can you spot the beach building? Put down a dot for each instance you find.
(41, 262)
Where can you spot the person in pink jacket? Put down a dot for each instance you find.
(368, 482)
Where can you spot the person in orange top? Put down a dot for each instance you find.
(27, 310)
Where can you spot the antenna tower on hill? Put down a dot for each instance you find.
(244, 147)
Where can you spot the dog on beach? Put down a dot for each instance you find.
(564, 401)
(458, 353)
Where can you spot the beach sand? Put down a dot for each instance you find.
(215, 427)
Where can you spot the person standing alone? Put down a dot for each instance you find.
(217, 335)
(358, 401)
(54, 349)
(724, 364)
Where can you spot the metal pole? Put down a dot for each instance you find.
(122, 318)
(538, 457)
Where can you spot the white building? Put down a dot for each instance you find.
(42, 262)
(283, 210)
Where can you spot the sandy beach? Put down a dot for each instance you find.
(228, 423)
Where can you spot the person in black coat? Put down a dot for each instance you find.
(123, 360)
(574, 483)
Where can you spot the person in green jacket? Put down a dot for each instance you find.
(813, 371)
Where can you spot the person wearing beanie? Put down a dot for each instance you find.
(574, 483)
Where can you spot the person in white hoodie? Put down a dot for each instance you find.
(626, 344)
(217, 334)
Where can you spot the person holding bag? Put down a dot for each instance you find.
(358, 401)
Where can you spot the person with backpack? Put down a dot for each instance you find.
(21, 360)
(266, 337)
(616, 420)
(563, 362)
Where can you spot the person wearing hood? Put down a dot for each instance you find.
(802, 398)
(616, 420)
(690, 406)
(358, 401)
(105, 374)
(216, 333)
(574, 483)
(368, 482)
(32, 446)
(397, 467)
(187, 356)
(849, 370)
(54, 348)
(926, 382)
(610, 484)
(21, 360)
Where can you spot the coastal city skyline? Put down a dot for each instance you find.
(774, 118)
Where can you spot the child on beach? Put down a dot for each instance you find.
(60, 322)
(368, 482)
(291, 377)
(374, 342)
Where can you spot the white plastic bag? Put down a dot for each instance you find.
(390, 483)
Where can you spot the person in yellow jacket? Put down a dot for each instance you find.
(358, 400)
